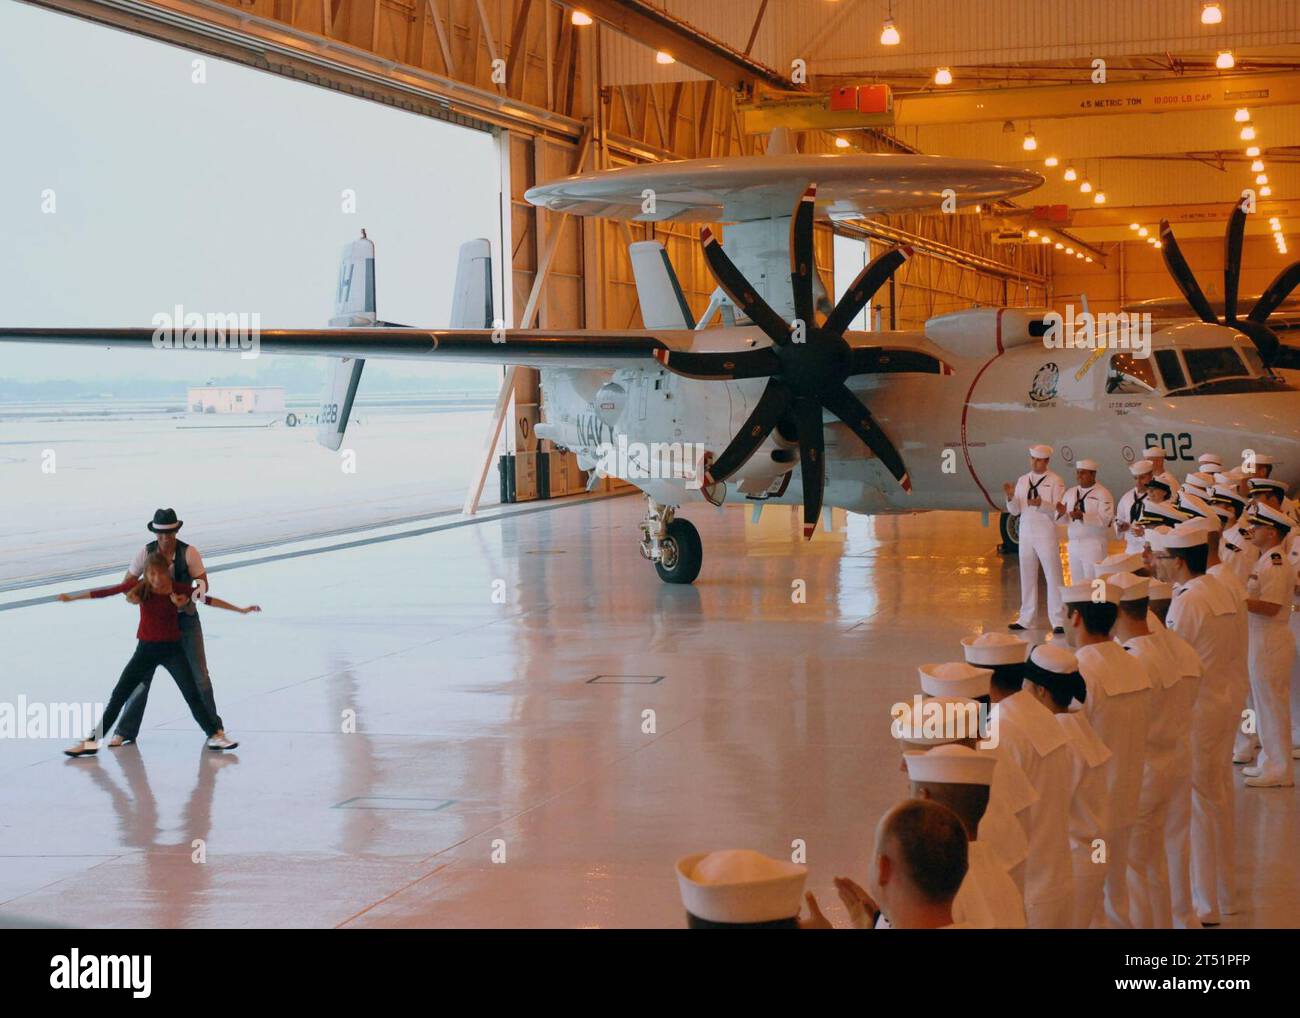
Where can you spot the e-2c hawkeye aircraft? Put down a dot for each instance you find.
(788, 404)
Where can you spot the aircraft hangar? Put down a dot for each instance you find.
(752, 328)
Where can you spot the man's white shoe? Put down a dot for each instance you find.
(1251, 772)
(88, 747)
(1259, 781)
(220, 741)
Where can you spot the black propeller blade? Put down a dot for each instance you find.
(1271, 349)
(803, 377)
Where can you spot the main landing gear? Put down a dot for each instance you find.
(1009, 529)
(673, 545)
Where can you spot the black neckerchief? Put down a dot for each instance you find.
(1139, 497)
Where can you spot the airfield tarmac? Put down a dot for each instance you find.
(501, 772)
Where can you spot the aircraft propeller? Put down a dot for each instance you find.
(806, 366)
(1272, 350)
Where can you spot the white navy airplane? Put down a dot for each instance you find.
(790, 405)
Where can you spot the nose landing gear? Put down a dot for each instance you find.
(673, 545)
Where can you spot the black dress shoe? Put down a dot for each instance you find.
(1016, 626)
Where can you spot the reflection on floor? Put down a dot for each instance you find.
(453, 730)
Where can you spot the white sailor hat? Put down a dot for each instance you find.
(950, 765)
(1266, 515)
(1186, 535)
(1131, 588)
(1223, 512)
(1199, 479)
(740, 886)
(990, 649)
(1236, 474)
(1055, 658)
(1159, 590)
(1057, 669)
(1198, 507)
(1269, 484)
(954, 678)
(1153, 452)
(1228, 492)
(935, 720)
(1141, 467)
(1040, 452)
(1210, 458)
(1086, 465)
(1120, 562)
(1162, 513)
(1082, 593)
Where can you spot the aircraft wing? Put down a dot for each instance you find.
(525, 347)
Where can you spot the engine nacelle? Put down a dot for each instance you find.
(982, 332)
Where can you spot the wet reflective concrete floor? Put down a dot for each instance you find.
(512, 723)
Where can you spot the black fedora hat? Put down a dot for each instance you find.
(164, 521)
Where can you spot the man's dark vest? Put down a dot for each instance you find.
(180, 568)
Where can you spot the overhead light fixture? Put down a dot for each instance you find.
(841, 142)
(1242, 115)
(1079, 255)
(1133, 226)
(889, 33)
(1099, 198)
(1257, 166)
(1211, 14)
(1224, 60)
(1069, 250)
(1044, 240)
(1031, 142)
(664, 57)
(1248, 133)
(1087, 258)
(1252, 151)
(1051, 161)
(1157, 245)
(1033, 233)
(943, 76)
(1265, 191)
(1274, 223)
(1261, 178)
(1086, 186)
(1070, 174)
(1143, 231)
(580, 18)
(1059, 245)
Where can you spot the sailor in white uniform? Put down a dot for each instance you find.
(1034, 498)
(740, 889)
(1235, 546)
(1272, 651)
(1033, 738)
(1210, 463)
(1131, 504)
(1264, 465)
(1003, 827)
(1157, 457)
(1117, 705)
(1090, 510)
(1052, 676)
(1148, 875)
(1204, 612)
(959, 777)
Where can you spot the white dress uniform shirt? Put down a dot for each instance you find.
(1004, 828)
(1168, 721)
(1272, 653)
(1089, 814)
(1088, 537)
(988, 898)
(1127, 512)
(1237, 552)
(1176, 718)
(1119, 694)
(1039, 546)
(1031, 735)
(1204, 612)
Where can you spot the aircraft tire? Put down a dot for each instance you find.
(1009, 528)
(683, 553)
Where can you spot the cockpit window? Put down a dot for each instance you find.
(1170, 369)
(1129, 374)
(1214, 363)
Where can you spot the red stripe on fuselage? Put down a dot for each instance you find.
(965, 407)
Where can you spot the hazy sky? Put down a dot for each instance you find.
(223, 196)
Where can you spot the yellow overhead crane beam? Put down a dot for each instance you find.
(1037, 102)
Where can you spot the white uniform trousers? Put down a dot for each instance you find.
(1213, 850)
(1053, 913)
(1246, 744)
(1149, 901)
(1178, 855)
(1084, 554)
(1117, 905)
(1272, 652)
(1039, 548)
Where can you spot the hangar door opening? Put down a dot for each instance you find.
(145, 179)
